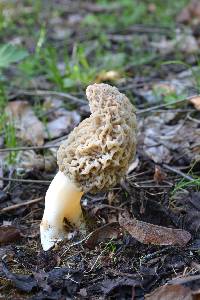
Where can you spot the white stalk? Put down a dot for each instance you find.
(62, 201)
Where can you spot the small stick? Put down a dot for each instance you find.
(36, 147)
(175, 170)
(15, 206)
(28, 148)
(164, 105)
(25, 180)
(73, 99)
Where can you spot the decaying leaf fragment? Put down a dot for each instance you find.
(147, 233)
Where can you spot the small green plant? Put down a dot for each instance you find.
(166, 94)
(3, 98)
(186, 183)
(9, 54)
(129, 12)
(7, 128)
(10, 141)
(111, 247)
(76, 72)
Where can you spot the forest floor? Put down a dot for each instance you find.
(143, 236)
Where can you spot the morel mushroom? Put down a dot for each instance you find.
(94, 158)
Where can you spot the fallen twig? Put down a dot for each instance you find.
(175, 170)
(70, 97)
(25, 180)
(36, 147)
(164, 105)
(15, 206)
(28, 148)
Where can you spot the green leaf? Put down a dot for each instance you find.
(69, 83)
(10, 54)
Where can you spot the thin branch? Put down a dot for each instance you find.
(142, 28)
(68, 96)
(25, 180)
(15, 206)
(36, 147)
(165, 105)
(177, 171)
(28, 148)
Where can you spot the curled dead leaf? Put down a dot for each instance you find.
(153, 234)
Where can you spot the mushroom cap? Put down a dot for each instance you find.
(98, 151)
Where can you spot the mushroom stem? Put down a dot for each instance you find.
(62, 201)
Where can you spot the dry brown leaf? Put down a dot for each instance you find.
(147, 233)
(171, 292)
(28, 127)
(108, 231)
(196, 102)
(9, 234)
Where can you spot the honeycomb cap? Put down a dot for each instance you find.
(98, 151)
